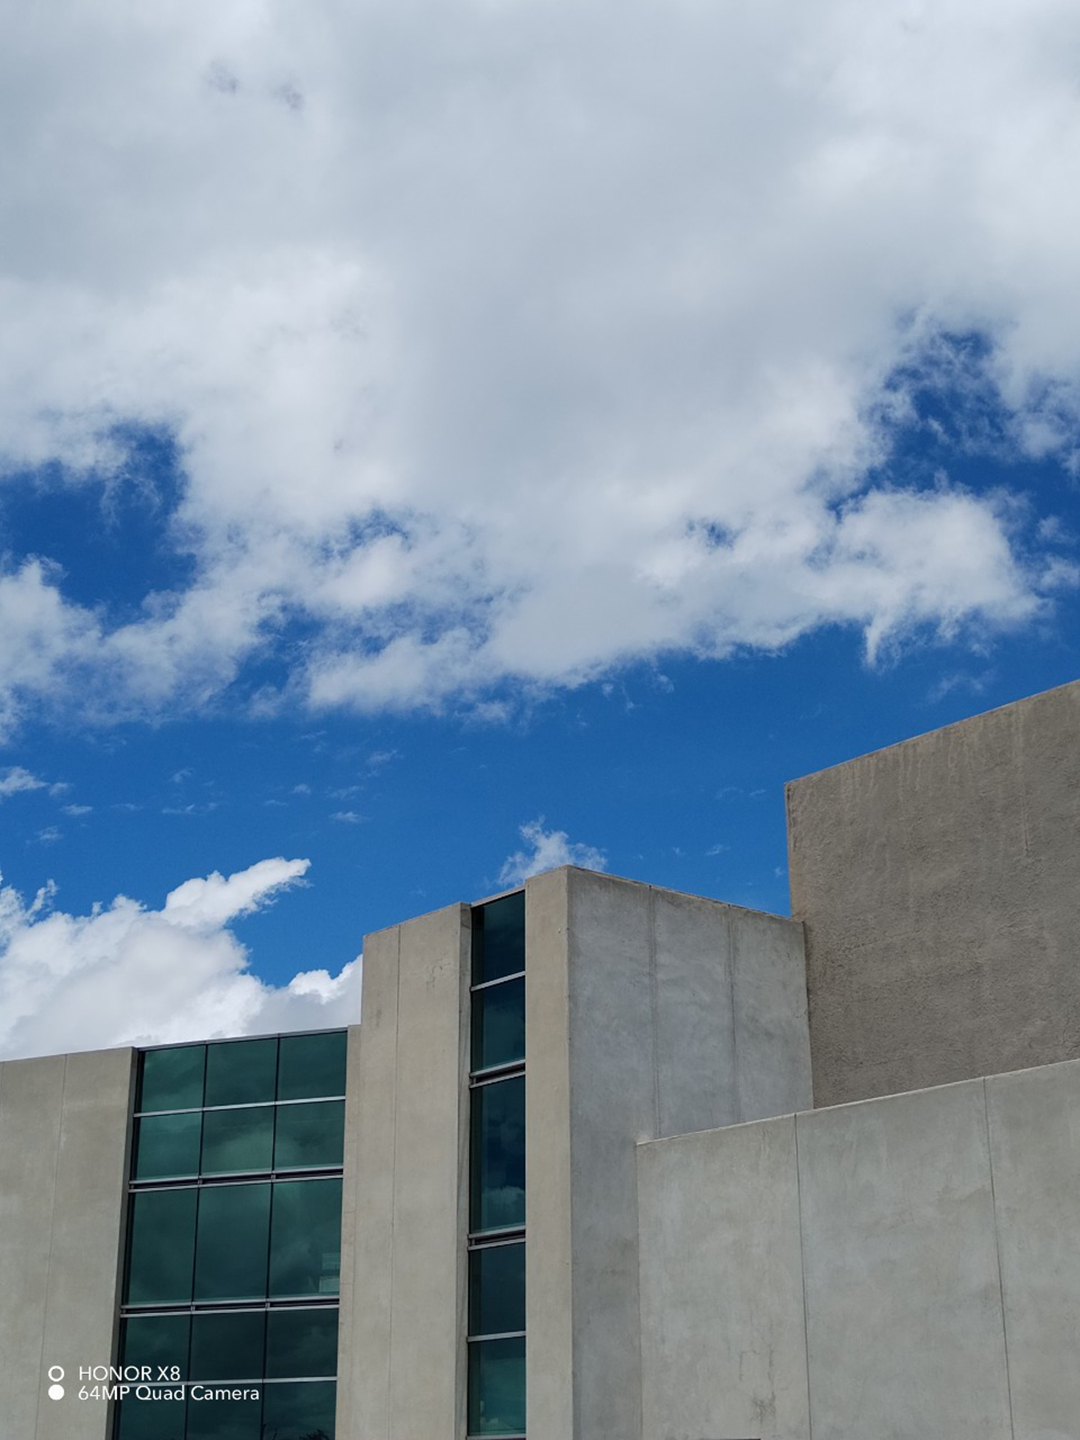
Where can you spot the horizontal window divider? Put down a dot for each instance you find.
(248, 1177)
(501, 980)
(484, 1239)
(497, 1072)
(520, 1436)
(491, 1077)
(235, 1039)
(240, 1105)
(230, 1307)
(496, 1335)
(489, 1240)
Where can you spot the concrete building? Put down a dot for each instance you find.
(610, 1162)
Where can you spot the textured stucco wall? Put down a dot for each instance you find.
(898, 1268)
(649, 1013)
(64, 1127)
(939, 883)
(401, 1356)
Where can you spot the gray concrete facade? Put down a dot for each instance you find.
(64, 1136)
(649, 1013)
(898, 1268)
(939, 883)
(401, 1365)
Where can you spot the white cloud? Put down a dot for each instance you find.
(547, 850)
(511, 342)
(15, 779)
(124, 974)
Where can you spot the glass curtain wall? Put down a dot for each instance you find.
(497, 1202)
(234, 1240)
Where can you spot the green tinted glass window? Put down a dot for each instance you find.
(498, 1025)
(173, 1079)
(497, 1289)
(497, 1387)
(151, 1419)
(299, 1412)
(167, 1146)
(162, 1247)
(226, 1419)
(309, 1135)
(156, 1340)
(236, 1140)
(498, 930)
(301, 1343)
(228, 1346)
(498, 1154)
(241, 1072)
(230, 1257)
(311, 1065)
(305, 1239)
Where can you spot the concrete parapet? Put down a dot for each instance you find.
(899, 1268)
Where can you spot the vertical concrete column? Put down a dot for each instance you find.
(904, 1321)
(647, 1013)
(404, 1282)
(31, 1102)
(548, 1247)
(64, 1130)
(1034, 1128)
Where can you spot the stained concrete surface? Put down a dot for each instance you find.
(939, 883)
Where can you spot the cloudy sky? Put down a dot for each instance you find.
(438, 441)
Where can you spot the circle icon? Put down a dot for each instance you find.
(56, 1372)
(56, 1392)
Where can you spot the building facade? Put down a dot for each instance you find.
(568, 1180)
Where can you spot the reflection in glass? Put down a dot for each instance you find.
(299, 1412)
(309, 1135)
(156, 1340)
(230, 1257)
(162, 1246)
(311, 1066)
(497, 1289)
(498, 1154)
(226, 1419)
(301, 1343)
(151, 1419)
(305, 1240)
(238, 1140)
(167, 1146)
(497, 1387)
(241, 1072)
(228, 1346)
(498, 944)
(172, 1079)
(498, 1025)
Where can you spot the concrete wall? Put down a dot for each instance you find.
(401, 1365)
(899, 1268)
(939, 882)
(649, 1013)
(64, 1128)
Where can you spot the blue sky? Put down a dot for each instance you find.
(437, 445)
